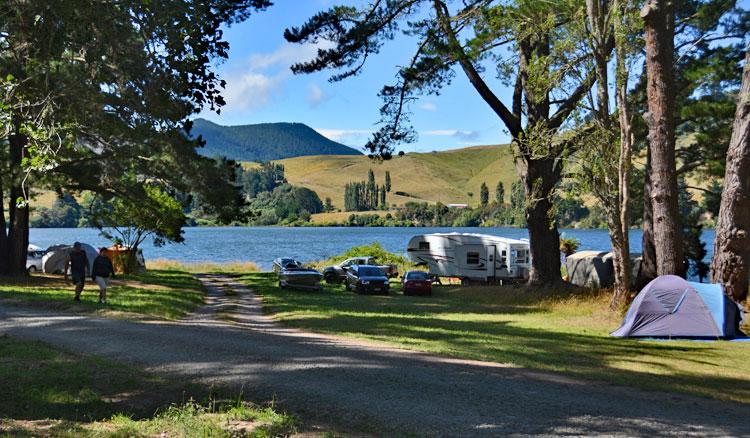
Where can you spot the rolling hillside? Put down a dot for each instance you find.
(446, 176)
(265, 141)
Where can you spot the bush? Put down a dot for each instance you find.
(373, 250)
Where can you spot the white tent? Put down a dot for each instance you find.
(56, 257)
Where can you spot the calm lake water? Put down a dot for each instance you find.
(263, 244)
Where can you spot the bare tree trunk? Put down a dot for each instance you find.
(647, 270)
(658, 16)
(622, 248)
(544, 238)
(731, 259)
(18, 234)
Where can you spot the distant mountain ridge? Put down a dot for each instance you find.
(265, 141)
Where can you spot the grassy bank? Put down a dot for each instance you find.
(48, 392)
(167, 293)
(561, 333)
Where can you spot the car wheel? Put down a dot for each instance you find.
(330, 278)
(32, 269)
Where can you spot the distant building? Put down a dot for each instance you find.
(459, 206)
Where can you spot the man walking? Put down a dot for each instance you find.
(100, 273)
(78, 264)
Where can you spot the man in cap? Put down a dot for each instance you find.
(78, 264)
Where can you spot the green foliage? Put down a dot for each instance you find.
(262, 179)
(569, 245)
(264, 142)
(692, 228)
(365, 196)
(155, 214)
(64, 213)
(372, 250)
(712, 199)
(387, 181)
(286, 204)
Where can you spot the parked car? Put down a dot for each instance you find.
(367, 279)
(417, 283)
(34, 259)
(337, 273)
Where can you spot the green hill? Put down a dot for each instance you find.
(447, 176)
(265, 141)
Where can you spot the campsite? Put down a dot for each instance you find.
(367, 218)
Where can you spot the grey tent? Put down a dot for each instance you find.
(671, 307)
(54, 260)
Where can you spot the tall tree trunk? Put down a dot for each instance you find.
(4, 244)
(18, 234)
(731, 259)
(622, 248)
(658, 16)
(539, 183)
(647, 271)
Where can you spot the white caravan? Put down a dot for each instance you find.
(476, 257)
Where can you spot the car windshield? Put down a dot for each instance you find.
(417, 276)
(370, 272)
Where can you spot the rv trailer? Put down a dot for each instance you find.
(472, 257)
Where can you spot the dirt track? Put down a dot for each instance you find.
(380, 389)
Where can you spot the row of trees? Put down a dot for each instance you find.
(97, 96)
(367, 195)
(557, 58)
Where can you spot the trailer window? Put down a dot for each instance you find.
(472, 258)
(424, 246)
(521, 256)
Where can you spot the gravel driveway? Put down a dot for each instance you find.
(380, 389)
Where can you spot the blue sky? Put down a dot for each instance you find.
(261, 88)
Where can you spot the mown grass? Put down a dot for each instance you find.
(48, 392)
(562, 331)
(168, 294)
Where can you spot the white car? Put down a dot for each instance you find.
(34, 259)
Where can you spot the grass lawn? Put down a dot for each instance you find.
(167, 293)
(48, 392)
(562, 333)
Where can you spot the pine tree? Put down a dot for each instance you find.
(383, 202)
(500, 193)
(387, 181)
(484, 194)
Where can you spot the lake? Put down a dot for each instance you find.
(263, 244)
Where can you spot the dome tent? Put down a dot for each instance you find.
(54, 260)
(671, 307)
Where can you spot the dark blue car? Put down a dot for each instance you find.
(367, 279)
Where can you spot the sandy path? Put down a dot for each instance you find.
(384, 390)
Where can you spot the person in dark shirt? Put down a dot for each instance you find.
(78, 264)
(100, 273)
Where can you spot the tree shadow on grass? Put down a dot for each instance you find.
(435, 325)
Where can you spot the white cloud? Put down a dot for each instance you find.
(466, 136)
(250, 91)
(345, 136)
(428, 106)
(315, 95)
(253, 83)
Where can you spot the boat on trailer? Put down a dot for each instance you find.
(293, 274)
(472, 257)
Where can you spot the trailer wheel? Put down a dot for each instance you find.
(465, 281)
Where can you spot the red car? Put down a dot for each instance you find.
(417, 283)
